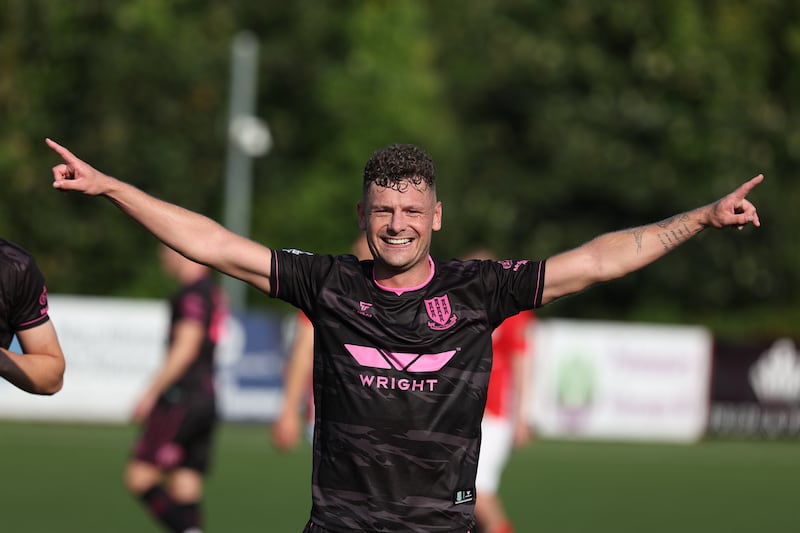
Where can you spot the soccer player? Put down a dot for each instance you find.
(178, 408)
(39, 369)
(505, 419)
(402, 343)
(298, 377)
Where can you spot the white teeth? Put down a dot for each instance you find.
(398, 241)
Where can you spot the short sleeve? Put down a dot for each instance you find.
(30, 305)
(511, 286)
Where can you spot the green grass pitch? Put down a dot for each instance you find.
(68, 478)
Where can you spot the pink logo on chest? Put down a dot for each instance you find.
(409, 362)
(440, 313)
(370, 357)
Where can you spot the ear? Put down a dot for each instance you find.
(362, 221)
(437, 217)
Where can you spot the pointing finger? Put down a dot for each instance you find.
(65, 154)
(748, 186)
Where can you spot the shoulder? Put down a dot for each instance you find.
(14, 256)
(487, 268)
(17, 266)
(456, 267)
(299, 259)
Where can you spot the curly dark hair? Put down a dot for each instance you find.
(399, 165)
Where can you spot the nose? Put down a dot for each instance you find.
(397, 222)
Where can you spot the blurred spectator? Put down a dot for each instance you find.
(178, 408)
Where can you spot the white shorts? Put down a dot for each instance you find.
(497, 441)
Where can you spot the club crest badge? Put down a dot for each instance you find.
(440, 313)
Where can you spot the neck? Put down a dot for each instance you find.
(406, 280)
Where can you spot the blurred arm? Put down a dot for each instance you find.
(522, 425)
(521, 371)
(288, 427)
(183, 350)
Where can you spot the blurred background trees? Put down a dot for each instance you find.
(550, 122)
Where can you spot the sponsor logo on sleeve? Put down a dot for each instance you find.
(295, 251)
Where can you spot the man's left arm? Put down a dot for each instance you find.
(614, 255)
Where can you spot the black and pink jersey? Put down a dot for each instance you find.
(204, 302)
(400, 381)
(23, 295)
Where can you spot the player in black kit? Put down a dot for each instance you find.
(402, 342)
(178, 407)
(39, 369)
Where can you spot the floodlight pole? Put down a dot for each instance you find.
(248, 137)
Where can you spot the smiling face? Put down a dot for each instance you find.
(398, 223)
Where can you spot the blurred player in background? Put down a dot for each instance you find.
(178, 408)
(505, 420)
(402, 343)
(39, 369)
(297, 391)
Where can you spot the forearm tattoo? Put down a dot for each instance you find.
(670, 232)
(676, 230)
(638, 233)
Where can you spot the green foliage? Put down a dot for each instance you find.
(613, 115)
(550, 122)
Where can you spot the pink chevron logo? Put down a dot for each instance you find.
(408, 362)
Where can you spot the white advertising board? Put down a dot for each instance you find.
(113, 346)
(620, 381)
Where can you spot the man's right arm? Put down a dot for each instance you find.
(197, 237)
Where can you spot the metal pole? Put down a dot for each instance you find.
(238, 168)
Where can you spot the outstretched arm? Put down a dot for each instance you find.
(613, 255)
(195, 236)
